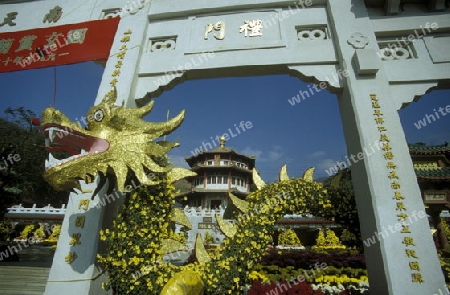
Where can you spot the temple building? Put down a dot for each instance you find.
(219, 171)
(432, 167)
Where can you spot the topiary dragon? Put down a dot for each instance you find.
(117, 143)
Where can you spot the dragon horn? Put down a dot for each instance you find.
(171, 245)
(200, 252)
(240, 204)
(336, 181)
(142, 111)
(257, 179)
(164, 128)
(308, 175)
(226, 228)
(283, 173)
(179, 217)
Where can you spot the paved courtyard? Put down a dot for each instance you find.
(27, 276)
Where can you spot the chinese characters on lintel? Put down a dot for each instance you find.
(52, 17)
(250, 28)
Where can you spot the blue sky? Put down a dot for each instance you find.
(304, 135)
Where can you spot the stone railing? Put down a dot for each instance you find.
(19, 209)
(202, 212)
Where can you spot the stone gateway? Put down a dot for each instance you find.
(393, 52)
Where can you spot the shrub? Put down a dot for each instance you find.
(347, 237)
(180, 237)
(208, 239)
(5, 229)
(27, 231)
(320, 241)
(332, 239)
(327, 240)
(55, 233)
(289, 238)
(39, 233)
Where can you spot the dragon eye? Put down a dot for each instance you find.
(98, 115)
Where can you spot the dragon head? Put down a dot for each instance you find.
(114, 141)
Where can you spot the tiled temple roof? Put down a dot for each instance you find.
(441, 173)
(421, 149)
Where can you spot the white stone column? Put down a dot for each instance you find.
(83, 275)
(74, 267)
(126, 52)
(402, 258)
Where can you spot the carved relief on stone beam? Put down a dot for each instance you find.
(358, 40)
(129, 8)
(162, 44)
(310, 34)
(110, 13)
(394, 51)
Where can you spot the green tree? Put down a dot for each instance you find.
(342, 196)
(5, 229)
(22, 158)
(348, 238)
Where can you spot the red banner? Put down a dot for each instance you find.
(59, 45)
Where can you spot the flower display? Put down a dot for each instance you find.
(239, 254)
(124, 147)
(134, 259)
(444, 258)
(328, 240)
(329, 280)
(142, 227)
(28, 230)
(289, 238)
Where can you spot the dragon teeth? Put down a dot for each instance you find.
(52, 161)
(51, 158)
(51, 134)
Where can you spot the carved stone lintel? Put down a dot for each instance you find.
(151, 87)
(332, 75)
(403, 94)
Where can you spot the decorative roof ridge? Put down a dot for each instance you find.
(434, 173)
(421, 148)
(432, 169)
(220, 150)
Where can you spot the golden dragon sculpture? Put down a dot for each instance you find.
(117, 143)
